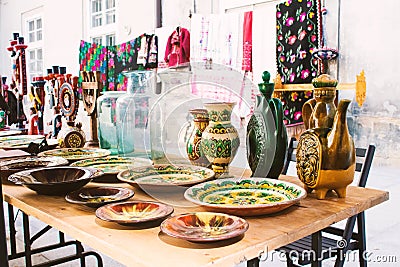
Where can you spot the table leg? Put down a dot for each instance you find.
(316, 245)
(3, 237)
(13, 232)
(27, 240)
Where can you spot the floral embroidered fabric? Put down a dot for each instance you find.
(298, 35)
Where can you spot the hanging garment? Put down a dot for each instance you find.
(247, 41)
(298, 34)
(177, 51)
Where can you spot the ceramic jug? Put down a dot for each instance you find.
(220, 140)
(200, 122)
(266, 134)
(326, 155)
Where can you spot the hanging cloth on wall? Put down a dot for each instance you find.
(298, 35)
(247, 41)
(177, 51)
(111, 61)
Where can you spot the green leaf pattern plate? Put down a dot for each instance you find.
(245, 197)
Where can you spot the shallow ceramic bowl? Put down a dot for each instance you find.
(75, 154)
(19, 141)
(111, 166)
(155, 177)
(98, 196)
(246, 196)
(11, 166)
(134, 212)
(54, 180)
(204, 226)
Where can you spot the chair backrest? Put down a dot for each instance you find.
(364, 157)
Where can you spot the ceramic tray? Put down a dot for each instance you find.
(245, 197)
(75, 154)
(9, 132)
(111, 166)
(98, 196)
(204, 226)
(134, 212)
(166, 175)
(19, 141)
(11, 166)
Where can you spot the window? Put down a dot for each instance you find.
(35, 66)
(35, 30)
(97, 40)
(102, 12)
(110, 39)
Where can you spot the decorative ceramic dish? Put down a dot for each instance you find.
(54, 180)
(134, 212)
(8, 167)
(19, 141)
(111, 166)
(98, 196)
(245, 197)
(162, 175)
(75, 154)
(9, 132)
(204, 226)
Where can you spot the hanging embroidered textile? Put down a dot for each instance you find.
(298, 35)
(111, 61)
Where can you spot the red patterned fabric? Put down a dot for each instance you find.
(247, 41)
(177, 51)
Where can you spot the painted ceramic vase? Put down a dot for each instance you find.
(266, 134)
(220, 140)
(199, 124)
(326, 155)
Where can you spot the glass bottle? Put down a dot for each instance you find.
(132, 112)
(106, 122)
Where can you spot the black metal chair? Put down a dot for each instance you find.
(333, 241)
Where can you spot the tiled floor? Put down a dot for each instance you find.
(382, 225)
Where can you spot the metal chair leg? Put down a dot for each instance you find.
(3, 243)
(27, 240)
(362, 239)
(316, 246)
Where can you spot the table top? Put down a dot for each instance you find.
(141, 246)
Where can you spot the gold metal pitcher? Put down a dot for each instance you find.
(325, 154)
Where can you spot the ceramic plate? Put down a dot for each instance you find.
(31, 162)
(245, 197)
(75, 154)
(19, 141)
(204, 226)
(112, 164)
(9, 132)
(134, 212)
(166, 175)
(98, 196)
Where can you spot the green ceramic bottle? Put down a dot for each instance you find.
(266, 133)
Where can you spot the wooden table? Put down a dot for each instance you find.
(150, 247)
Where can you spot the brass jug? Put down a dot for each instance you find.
(325, 154)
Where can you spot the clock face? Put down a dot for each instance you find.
(68, 100)
(308, 158)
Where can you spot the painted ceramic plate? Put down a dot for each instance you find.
(204, 226)
(31, 162)
(9, 132)
(112, 164)
(74, 154)
(98, 196)
(166, 175)
(19, 141)
(134, 212)
(245, 197)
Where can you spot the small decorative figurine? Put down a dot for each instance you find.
(325, 154)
